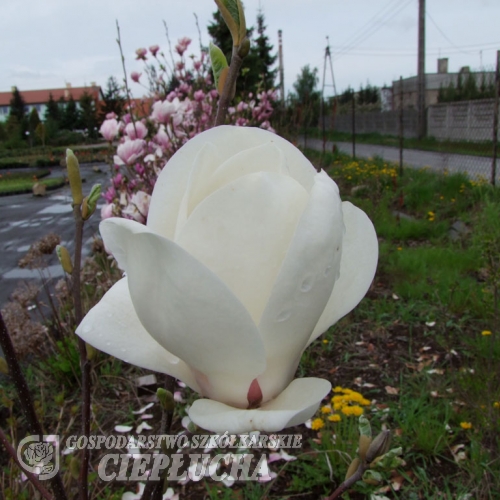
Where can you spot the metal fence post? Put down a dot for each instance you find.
(401, 132)
(353, 126)
(495, 121)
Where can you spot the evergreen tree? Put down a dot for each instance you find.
(256, 71)
(17, 105)
(113, 100)
(88, 115)
(34, 121)
(470, 88)
(347, 95)
(70, 117)
(52, 110)
(265, 58)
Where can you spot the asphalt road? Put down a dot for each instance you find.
(24, 219)
(474, 166)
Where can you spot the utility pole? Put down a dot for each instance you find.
(421, 118)
(281, 71)
(328, 57)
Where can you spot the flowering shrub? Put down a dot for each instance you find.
(183, 103)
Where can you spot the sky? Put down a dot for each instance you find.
(48, 43)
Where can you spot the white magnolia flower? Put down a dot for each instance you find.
(248, 256)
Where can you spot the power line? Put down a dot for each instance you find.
(443, 34)
(371, 31)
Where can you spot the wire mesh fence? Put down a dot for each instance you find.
(459, 135)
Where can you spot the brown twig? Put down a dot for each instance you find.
(349, 482)
(154, 489)
(84, 361)
(229, 84)
(127, 90)
(31, 477)
(25, 399)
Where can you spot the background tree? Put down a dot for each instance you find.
(18, 111)
(113, 100)
(52, 118)
(88, 115)
(33, 122)
(256, 71)
(71, 115)
(305, 98)
(263, 53)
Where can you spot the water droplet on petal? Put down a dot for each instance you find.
(306, 284)
(284, 315)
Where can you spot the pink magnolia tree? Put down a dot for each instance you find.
(182, 103)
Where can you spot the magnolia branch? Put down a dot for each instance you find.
(25, 399)
(349, 482)
(229, 85)
(84, 361)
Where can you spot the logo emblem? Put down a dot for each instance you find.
(39, 455)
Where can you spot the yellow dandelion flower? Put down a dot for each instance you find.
(400, 248)
(326, 409)
(496, 404)
(317, 424)
(357, 410)
(325, 341)
(465, 425)
(335, 418)
(337, 389)
(347, 411)
(484, 333)
(365, 402)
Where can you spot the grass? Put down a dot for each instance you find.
(22, 182)
(423, 347)
(484, 148)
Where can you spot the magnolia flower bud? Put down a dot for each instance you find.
(364, 444)
(75, 180)
(244, 48)
(352, 468)
(64, 258)
(379, 446)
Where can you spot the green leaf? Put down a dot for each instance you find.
(364, 427)
(219, 66)
(234, 17)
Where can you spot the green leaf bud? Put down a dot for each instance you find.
(372, 477)
(89, 203)
(244, 48)
(166, 399)
(74, 467)
(4, 368)
(219, 66)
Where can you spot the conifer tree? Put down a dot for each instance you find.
(70, 116)
(88, 115)
(17, 105)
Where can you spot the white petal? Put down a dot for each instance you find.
(242, 232)
(303, 286)
(298, 402)
(190, 312)
(123, 428)
(357, 268)
(112, 326)
(228, 141)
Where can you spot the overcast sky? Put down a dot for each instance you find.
(47, 43)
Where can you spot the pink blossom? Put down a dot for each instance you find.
(111, 115)
(182, 45)
(135, 76)
(109, 129)
(141, 54)
(130, 151)
(137, 131)
(242, 105)
(161, 138)
(164, 111)
(199, 95)
(138, 207)
(197, 65)
(110, 194)
(154, 49)
(107, 211)
(117, 180)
